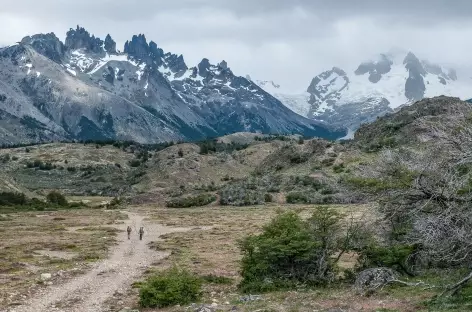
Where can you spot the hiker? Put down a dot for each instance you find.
(129, 231)
(141, 232)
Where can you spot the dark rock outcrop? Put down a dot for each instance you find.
(46, 44)
(110, 45)
(79, 38)
(414, 86)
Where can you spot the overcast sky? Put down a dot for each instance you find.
(288, 41)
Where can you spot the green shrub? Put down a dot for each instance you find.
(394, 256)
(338, 168)
(297, 198)
(57, 198)
(11, 199)
(268, 198)
(5, 158)
(71, 169)
(180, 153)
(135, 163)
(171, 287)
(291, 252)
(192, 201)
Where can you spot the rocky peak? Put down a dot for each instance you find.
(204, 68)
(320, 82)
(414, 86)
(46, 44)
(223, 65)
(155, 53)
(80, 39)
(110, 45)
(176, 63)
(138, 47)
(375, 69)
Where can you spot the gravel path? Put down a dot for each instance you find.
(88, 292)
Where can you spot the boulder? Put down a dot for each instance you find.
(371, 279)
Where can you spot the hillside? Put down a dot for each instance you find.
(386, 216)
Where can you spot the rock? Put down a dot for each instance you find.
(250, 298)
(46, 276)
(371, 279)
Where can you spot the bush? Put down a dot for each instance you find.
(180, 153)
(291, 252)
(135, 163)
(171, 287)
(114, 203)
(71, 169)
(57, 198)
(297, 198)
(392, 256)
(268, 198)
(193, 201)
(11, 199)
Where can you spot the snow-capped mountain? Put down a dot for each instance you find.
(85, 88)
(375, 88)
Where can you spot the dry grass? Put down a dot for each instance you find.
(48, 242)
(216, 252)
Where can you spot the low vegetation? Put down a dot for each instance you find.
(191, 201)
(171, 287)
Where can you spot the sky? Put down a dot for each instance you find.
(287, 41)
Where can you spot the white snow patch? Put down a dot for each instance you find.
(147, 85)
(140, 71)
(38, 74)
(186, 75)
(73, 72)
(29, 66)
(109, 58)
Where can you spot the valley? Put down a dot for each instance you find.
(378, 201)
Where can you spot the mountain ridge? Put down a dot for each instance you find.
(374, 88)
(84, 88)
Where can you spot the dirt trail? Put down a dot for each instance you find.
(88, 292)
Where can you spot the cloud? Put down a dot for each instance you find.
(287, 41)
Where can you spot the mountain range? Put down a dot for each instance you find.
(376, 87)
(85, 89)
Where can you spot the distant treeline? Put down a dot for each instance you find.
(209, 144)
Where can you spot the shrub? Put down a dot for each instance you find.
(394, 256)
(193, 201)
(171, 287)
(327, 162)
(338, 168)
(180, 153)
(297, 198)
(10, 199)
(291, 252)
(135, 163)
(268, 198)
(5, 158)
(57, 198)
(115, 202)
(71, 169)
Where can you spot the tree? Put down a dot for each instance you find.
(291, 251)
(57, 198)
(425, 195)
